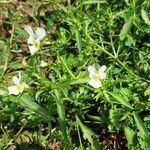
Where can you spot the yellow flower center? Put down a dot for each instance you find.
(36, 44)
(18, 87)
(95, 77)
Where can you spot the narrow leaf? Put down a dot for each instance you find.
(27, 102)
(64, 63)
(130, 135)
(121, 99)
(145, 16)
(79, 81)
(140, 125)
(78, 39)
(61, 114)
(147, 92)
(93, 1)
(125, 29)
(89, 135)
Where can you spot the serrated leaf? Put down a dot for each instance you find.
(147, 92)
(115, 117)
(121, 99)
(130, 134)
(89, 135)
(27, 102)
(140, 125)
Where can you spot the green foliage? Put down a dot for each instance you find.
(131, 137)
(89, 135)
(60, 109)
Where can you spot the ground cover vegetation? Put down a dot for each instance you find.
(75, 74)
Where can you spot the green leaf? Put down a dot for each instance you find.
(78, 39)
(121, 99)
(125, 29)
(147, 92)
(16, 64)
(79, 81)
(61, 113)
(115, 117)
(140, 125)
(27, 102)
(64, 63)
(130, 135)
(93, 1)
(145, 16)
(89, 135)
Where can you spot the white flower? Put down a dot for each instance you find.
(43, 64)
(96, 76)
(18, 87)
(34, 38)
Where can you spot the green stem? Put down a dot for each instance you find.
(61, 114)
(111, 41)
(116, 59)
(66, 67)
(80, 141)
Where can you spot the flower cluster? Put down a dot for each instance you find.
(96, 76)
(34, 45)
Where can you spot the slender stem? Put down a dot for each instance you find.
(111, 41)
(116, 59)
(66, 67)
(101, 48)
(80, 141)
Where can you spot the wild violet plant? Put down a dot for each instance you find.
(68, 94)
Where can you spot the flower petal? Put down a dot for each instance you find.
(101, 72)
(31, 40)
(40, 33)
(16, 80)
(102, 68)
(92, 71)
(13, 90)
(34, 47)
(95, 83)
(29, 30)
